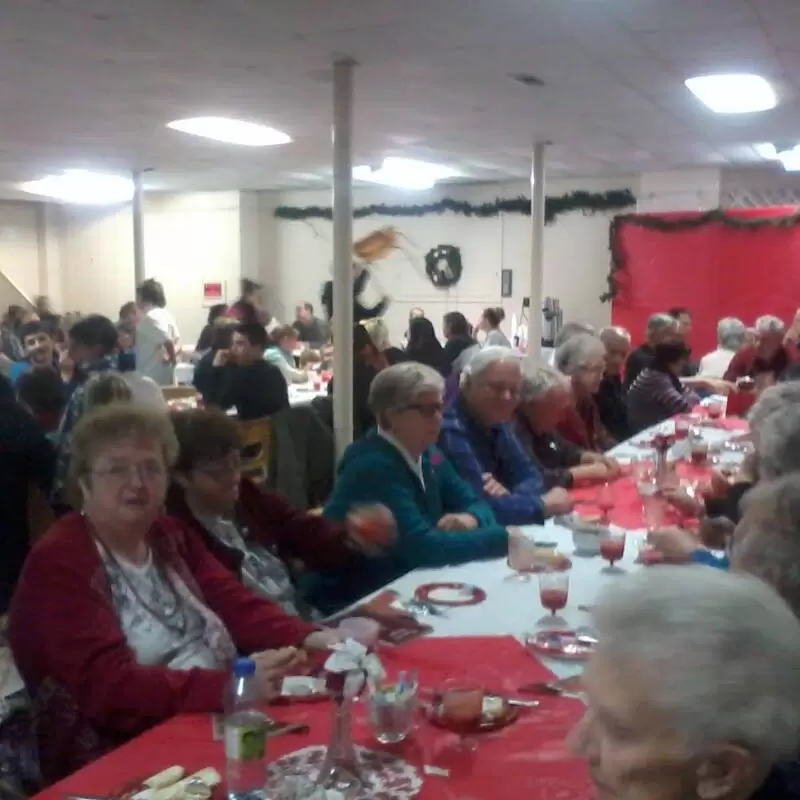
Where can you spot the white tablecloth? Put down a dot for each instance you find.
(512, 606)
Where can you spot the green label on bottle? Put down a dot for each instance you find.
(246, 743)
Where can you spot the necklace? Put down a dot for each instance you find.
(181, 626)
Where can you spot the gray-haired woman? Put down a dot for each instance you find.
(693, 689)
(545, 399)
(440, 520)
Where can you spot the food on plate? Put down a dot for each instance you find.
(494, 707)
(167, 777)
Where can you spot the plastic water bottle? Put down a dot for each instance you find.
(245, 735)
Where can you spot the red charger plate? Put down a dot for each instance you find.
(424, 592)
(559, 644)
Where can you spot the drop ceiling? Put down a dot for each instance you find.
(91, 84)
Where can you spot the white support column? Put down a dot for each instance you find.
(343, 253)
(138, 228)
(537, 255)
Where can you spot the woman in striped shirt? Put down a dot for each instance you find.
(657, 393)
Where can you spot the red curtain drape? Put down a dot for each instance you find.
(716, 271)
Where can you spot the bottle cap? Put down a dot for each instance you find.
(243, 667)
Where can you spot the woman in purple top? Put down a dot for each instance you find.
(657, 393)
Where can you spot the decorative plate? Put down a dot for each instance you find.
(450, 594)
(497, 714)
(559, 644)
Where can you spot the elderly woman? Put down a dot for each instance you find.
(478, 437)
(717, 724)
(253, 531)
(583, 359)
(545, 398)
(122, 618)
(658, 394)
(440, 520)
(768, 358)
(730, 338)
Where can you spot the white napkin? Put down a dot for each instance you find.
(350, 656)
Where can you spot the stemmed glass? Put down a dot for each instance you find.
(462, 708)
(605, 501)
(554, 591)
(653, 504)
(612, 549)
(521, 557)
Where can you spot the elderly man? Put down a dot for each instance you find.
(660, 328)
(693, 690)
(477, 436)
(610, 397)
(545, 398)
(730, 338)
(768, 358)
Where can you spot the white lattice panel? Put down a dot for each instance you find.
(758, 198)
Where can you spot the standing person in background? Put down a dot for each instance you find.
(424, 348)
(460, 345)
(157, 336)
(280, 352)
(207, 334)
(660, 328)
(250, 307)
(242, 379)
(310, 329)
(45, 312)
(490, 323)
(10, 345)
(610, 397)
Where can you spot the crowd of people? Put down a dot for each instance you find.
(162, 560)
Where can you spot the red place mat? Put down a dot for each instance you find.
(527, 759)
(627, 511)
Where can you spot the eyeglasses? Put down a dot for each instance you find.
(218, 470)
(427, 410)
(501, 389)
(148, 471)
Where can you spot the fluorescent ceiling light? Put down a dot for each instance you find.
(733, 94)
(405, 173)
(231, 131)
(82, 186)
(790, 159)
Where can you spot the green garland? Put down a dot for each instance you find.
(662, 224)
(587, 202)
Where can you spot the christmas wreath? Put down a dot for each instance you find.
(443, 266)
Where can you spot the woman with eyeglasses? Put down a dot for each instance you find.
(582, 359)
(253, 531)
(122, 618)
(440, 520)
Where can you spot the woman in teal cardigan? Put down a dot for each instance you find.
(440, 520)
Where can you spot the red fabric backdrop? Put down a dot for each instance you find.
(714, 270)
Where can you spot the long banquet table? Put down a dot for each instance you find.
(528, 759)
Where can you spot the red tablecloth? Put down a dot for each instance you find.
(627, 511)
(528, 759)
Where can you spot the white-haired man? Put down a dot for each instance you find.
(610, 397)
(478, 438)
(768, 358)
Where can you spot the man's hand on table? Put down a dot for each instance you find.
(371, 528)
(675, 544)
(493, 487)
(557, 501)
(684, 502)
(457, 522)
(613, 468)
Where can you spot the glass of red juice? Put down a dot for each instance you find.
(612, 547)
(681, 429)
(699, 452)
(554, 590)
(461, 706)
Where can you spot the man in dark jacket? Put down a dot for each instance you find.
(241, 379)
(610, 397)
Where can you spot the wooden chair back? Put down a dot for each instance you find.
(179, 392)
(256, 439)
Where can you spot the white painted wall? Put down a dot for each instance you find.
(576, 254)
(19, 252)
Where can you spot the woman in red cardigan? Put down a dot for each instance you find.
(255, 532)
(122, 618)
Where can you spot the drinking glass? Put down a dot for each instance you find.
(653, 504)
(392, 706)
(642, 468)
(554, 590)
(521, 556)
(682, 429)
(364, 630)
(699, 452)
(605, 501)
(716, 409)
(462, 708)
(612, 548)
